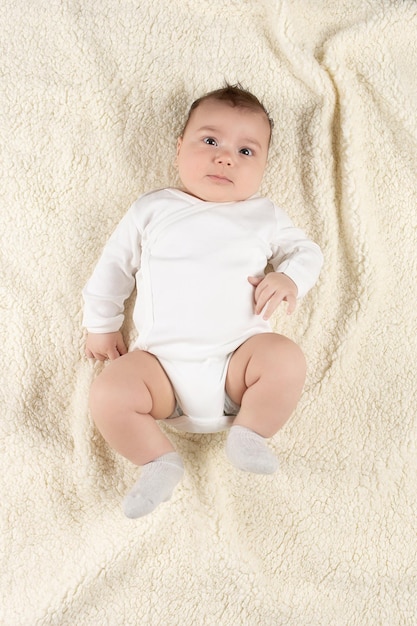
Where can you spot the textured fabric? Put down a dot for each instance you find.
(92, 98)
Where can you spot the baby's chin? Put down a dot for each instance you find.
(216, 195)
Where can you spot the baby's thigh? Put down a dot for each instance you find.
(135, 381)
(264, 355)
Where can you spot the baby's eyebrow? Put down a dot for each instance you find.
(207, 129)
(250, 141)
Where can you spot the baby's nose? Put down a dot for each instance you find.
(224, 158)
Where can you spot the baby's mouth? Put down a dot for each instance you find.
(218, 178)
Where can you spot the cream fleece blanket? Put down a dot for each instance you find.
(92, 98)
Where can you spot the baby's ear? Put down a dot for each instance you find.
(179, 144)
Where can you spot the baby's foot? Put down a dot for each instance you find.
(156, 484)
(248, 451)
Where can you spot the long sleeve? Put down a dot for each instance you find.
(295, 255)
(113, 278)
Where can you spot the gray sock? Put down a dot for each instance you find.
(156, 484)
(248, 451)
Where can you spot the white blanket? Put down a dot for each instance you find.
(92, 98)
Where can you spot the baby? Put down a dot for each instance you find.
(205, 349)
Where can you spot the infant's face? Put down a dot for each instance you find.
(222, 155)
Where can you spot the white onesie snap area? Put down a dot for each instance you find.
(203, 405)
(187, 424)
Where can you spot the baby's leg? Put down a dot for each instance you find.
(131, 393)
(266, 377)
(127, 398)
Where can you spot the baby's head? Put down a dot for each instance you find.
(235, 96)
(223, 149)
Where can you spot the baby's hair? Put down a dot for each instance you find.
(236, 96)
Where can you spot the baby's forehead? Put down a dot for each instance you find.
(211, 112)
(214, 107)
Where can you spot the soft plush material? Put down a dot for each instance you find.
(92, 98)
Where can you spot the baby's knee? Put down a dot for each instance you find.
(289, 359)
(297, 358)
(101, 396)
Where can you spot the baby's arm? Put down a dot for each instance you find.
(271, 290)
(103, 346)
(107, 289)
(296, 261)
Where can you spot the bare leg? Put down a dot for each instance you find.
(125, 400)
(266, 376)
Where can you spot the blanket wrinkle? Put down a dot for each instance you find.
(92, 100)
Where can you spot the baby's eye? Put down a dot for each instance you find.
(246, 151)
(210, 141)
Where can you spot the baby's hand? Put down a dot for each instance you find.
(271, 290)
(103, 346)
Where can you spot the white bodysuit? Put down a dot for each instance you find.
(191, 260)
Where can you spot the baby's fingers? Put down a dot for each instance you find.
(260, 295)
(292, 303)
(95, 355)
(121, 348)
(273, 303)
(113, 353)
(255, 280)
